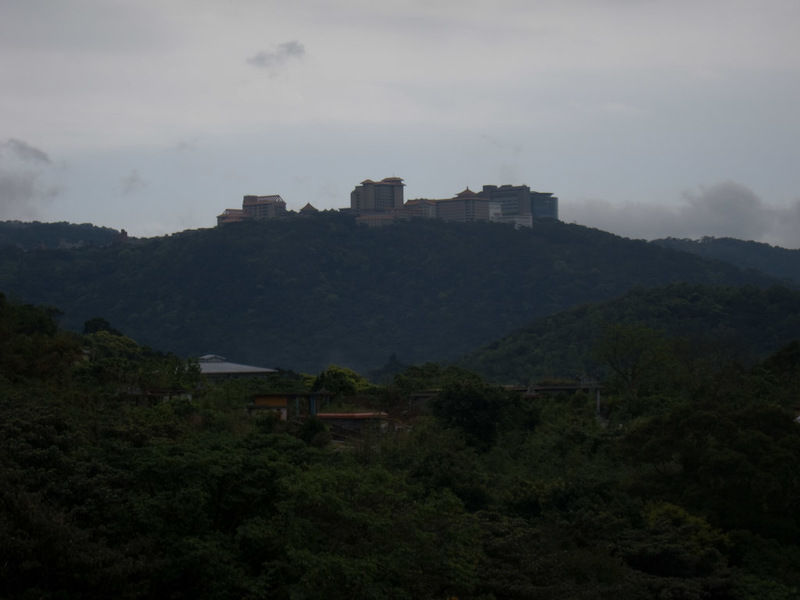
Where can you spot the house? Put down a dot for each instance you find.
(289, 405)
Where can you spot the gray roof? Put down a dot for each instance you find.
(211, 364)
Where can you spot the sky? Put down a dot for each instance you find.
(647, 118)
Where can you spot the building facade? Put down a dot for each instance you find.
(254, 207)
(467, 206)
(544, 205)
(377, 196)
(519, 201)
(263, 207)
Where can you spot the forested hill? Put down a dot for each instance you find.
(736, 323)
(305, 292)
(30, 235)
(778, 262)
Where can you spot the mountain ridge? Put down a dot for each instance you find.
(308, 291)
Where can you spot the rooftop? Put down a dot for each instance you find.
(211, 364)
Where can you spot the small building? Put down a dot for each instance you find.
(231, 215)
(289, 405)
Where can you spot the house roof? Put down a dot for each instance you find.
(211, 364)
(467, 193)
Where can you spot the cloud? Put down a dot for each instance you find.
(133, 182)
(272, 61)
(724, 209)
(727, 209)
(23, 170)
(23, 151)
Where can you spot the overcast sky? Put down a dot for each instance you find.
(647, 118)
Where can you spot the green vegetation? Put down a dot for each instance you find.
(306, 292)
(742, 323)
(37, 235)
(773, 260)
(684, 486)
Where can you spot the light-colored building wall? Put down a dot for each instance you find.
(377, 196)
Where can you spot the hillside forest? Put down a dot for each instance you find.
(681, 482)
(744, 323)
(309, 291)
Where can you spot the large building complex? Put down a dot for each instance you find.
(379, 203)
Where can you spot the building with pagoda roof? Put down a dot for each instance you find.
(466, 206)
(381, 196)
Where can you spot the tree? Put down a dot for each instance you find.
(341, 382)
(635, 354)
(99, 324)
(474, 407)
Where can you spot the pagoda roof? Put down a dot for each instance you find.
(467, 193)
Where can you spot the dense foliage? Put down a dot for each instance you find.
(309, 291)
(33, 235)
(773, 260)
(684, 485)
(747, 321)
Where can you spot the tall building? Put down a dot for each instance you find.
(518, 201)
(514, 200)
(377, 196)
(544, 205)
(263, 207)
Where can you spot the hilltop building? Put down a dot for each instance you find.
(518, 204)
(377, 196)
(377, 203)
(381, 203)
(254, 207)
(544, 205)
(468, 206)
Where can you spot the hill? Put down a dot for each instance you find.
(778, 262)
(728, 318)
(305, 292)
(34, 235)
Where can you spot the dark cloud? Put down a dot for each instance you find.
(23, 190)
(22, 151)
(272, 61)
(133, 182)
(725, 209)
